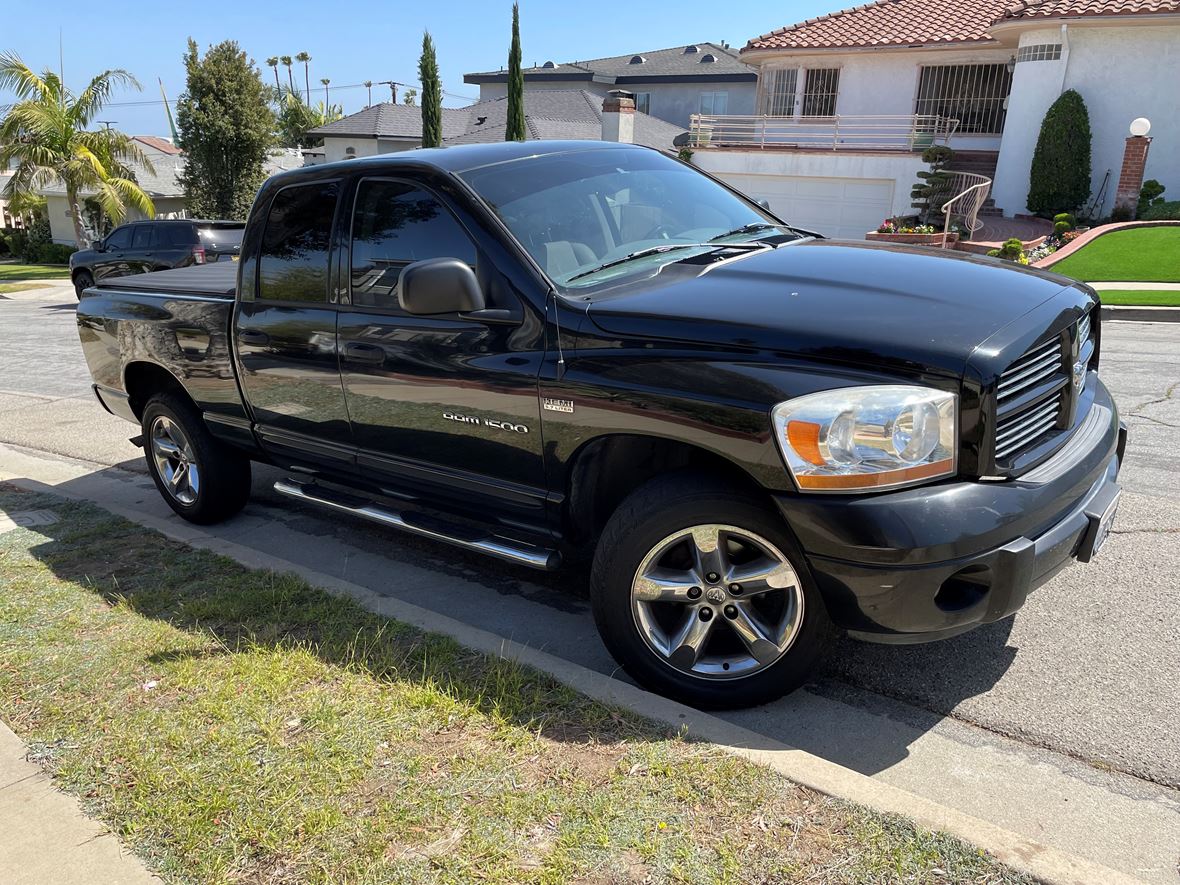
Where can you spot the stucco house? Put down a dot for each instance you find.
(671, 84)
(160, 183)
(847, 101)
(565, 114)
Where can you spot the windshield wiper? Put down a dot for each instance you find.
(656, 250)
(749, 229)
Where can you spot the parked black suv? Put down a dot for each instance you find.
(145, 246)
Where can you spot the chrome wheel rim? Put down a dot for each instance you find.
(175, 462)
(717, 602)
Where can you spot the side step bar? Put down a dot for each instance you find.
(502, 548)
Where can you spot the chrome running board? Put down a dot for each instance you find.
(502, 548)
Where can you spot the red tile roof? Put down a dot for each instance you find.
(933, 22)
(154, 141)
(1074, 8)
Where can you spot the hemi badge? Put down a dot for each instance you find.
(558, 405)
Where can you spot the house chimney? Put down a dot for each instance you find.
(1126, 195)
(618, 116)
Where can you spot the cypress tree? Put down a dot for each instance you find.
(431, 94)
(515, 131)
(1060, 175)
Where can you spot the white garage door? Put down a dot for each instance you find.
(834, 207)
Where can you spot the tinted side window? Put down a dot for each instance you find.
(143, 237)
(293, 263)
(394, 224)
(120, 238)
(175, 235)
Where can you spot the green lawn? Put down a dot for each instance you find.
(18, 287)
(239, 726)
(33, 272)
(1144, 296)
(1136, 255)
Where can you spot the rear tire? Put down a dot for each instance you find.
(83, 280)
(199, 477)
(703, 595)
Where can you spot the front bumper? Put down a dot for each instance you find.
(931, 562)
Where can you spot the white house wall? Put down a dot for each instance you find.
(1121, 73)
(884, 179)
(876, 82)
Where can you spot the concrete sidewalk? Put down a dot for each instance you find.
(1137, 287)
(46, 839)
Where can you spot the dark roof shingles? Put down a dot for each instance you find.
(657, 63)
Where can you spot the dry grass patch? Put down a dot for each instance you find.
(239, 726)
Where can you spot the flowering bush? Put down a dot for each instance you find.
(893, 226)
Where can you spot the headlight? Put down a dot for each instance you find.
(868, 437)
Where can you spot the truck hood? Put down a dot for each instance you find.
(860, 304)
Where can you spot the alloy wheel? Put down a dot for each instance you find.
(174, 459)
(717, 601)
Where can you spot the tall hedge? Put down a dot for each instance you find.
(431, 94)
(1060, 178)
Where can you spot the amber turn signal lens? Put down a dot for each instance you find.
(876, 480)
(804, 439)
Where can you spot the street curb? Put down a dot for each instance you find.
(1140, 313)
(1043, 862)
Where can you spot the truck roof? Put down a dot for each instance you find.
(464, 157)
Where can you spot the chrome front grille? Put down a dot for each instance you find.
(1026, 428)
(1035, 393)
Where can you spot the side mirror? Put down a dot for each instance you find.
(99, 245)
(439, 285)
(765, 204)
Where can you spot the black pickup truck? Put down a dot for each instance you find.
(542, 349)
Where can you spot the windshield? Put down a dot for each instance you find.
(584, 215)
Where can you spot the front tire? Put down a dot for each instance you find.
(199, 477)
(83, 280)
(704, 596)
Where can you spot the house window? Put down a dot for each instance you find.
(1039, 52)
(778, 92)
(819, 92)
(643, 102)
(972, 94)
(714, 103)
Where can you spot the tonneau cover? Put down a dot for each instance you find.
(219, 279)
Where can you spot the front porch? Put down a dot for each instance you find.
(996, 231)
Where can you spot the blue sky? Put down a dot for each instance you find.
(359, 40)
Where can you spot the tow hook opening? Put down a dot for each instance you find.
(964, 589)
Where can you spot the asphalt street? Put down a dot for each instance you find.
(1082, 682)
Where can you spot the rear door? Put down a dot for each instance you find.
(448, 402)
(141, 256)
(285, 332)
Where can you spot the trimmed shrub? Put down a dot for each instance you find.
(1060, 177)
(1151, 194)
(48, 253)
(934, 188)
(1065, 218)
(1162, 211)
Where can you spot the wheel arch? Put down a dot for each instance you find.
(607, 468)
(143, 379)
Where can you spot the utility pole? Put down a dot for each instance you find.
(107, 123)
(368, 84)
(392, 84)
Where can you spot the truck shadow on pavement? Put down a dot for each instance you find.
(867, 704)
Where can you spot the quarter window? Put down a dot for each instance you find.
(396, 223)
(293, 264)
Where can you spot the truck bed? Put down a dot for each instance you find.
(211, 280)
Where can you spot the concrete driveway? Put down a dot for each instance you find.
(1060, 723)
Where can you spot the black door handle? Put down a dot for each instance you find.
(253, 337)
(368, 354)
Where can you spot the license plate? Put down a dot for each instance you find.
(1105, 522)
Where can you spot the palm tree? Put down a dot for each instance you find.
(368, 84)
(306, 59)
(286, 62)
(273, 63)
(43, 139)
(325, 81)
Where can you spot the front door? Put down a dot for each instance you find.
(444, 402)
(285, 333)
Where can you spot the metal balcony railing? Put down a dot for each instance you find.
(898, 132)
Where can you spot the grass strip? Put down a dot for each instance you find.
(1142, 254)
(33, 272)
(238, 725)
(1142, 297)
